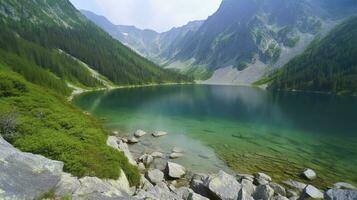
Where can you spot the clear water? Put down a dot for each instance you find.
(246, 129)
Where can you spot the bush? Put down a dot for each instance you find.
(8, 123)
(11, 87)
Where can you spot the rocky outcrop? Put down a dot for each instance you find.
(25, 176)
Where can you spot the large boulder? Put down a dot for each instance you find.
(198, 184)
(340, 194)
(26, 176)
(223, 186)
(155, 176)
(312, 193)
(263, 192)
(159, 191)
(248, 187)
(175, 170)
(188, 194)
(67, 185)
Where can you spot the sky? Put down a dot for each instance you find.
(159, 15)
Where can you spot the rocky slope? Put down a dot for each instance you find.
(246, 38)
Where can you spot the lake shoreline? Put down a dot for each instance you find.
(199, 184)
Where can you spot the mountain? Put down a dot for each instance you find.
(245, 39)
(328, 65)
(60, 44)
(148, 43)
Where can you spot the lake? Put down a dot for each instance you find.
(238, 128)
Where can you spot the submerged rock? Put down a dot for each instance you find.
(133, 140)
(295, 184)
(139, 133)
(312, 192)
(309, 174)
(159, 134)
(176, 155)
(155, 176)
(340, 194)
(175, 170)
(342, 185)
(26, 176)
(223, 186)
(177, 150)
(157, 154)
(278, 189)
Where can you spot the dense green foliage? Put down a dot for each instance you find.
(57, 24)
(328, 65)
(46, 124)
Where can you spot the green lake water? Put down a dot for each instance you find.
(239, 128)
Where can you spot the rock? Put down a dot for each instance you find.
(195, 196)
(160, 191)
(263, 192)
(24, 175)
(67, 185)
(141, 167)
(133, 140)
(291, 193)
(197, 184)
(248, 187)
(309, 174)
(155, 176)
(157, 154)
(177, 150)
(294, 198)
(342, 185)
(278, 189)
(279, 197)
(146, 159)
(139, 133)
(223, 186)
(340, 194)
(262, 179)
(295, 184)
(115, 132)
(145, 184)
(112, 141)
(176, 155)
(243, 195)
(312, 192)
(249, 177)
(125, 140)
(123, 147)
(187, 194)
(175, 170)
(159, 133)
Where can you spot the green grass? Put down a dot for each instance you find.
(48, 125)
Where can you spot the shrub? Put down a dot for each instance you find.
(8, 124)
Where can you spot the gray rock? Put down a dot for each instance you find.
(141, 167)
(195, 196)
(278, 189)
(294, 198)
(291, 193)
(176, 155)
(187, 194)
(26, 176)
(139, 133)
(123, 147)
(175, 170)
(112, 141)
(177, 150)
(115, 132)
(342, 185)
(340, 194)
(262, 179)
(146, 159)
(145, 184)
(243, 195)
(155, 176)
(248, 187)
(312, 192)
(263, 192)
(223, 186)
(160, 191)
(67, 185)
(309, 174)
(198, 184)
(295, 184)
(249, 177)
(279, 197)
(133, 140)
(159, 134)
(157, 154)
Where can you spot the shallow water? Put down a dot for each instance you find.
(247, 129)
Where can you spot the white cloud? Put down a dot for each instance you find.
(160, 15)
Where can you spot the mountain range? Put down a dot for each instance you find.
(241, 42)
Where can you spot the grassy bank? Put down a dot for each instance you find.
(37, 120)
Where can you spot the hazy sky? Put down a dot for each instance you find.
(160, 15)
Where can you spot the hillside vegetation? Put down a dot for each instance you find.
(328, 65)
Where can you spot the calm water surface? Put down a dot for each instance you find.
(246, 129)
